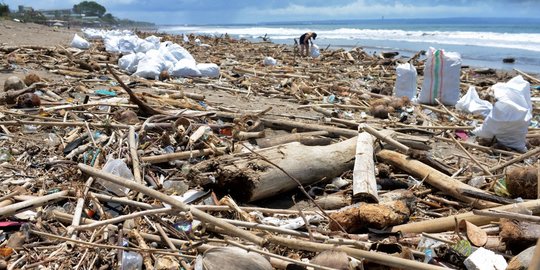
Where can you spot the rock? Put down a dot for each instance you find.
(127, 117)
(31, 79)
(13, 83)
(28, 100)
(333, 259)
(232, 258)
(509, 60)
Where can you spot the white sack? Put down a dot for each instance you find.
(510, 117)
(471, 103)
(129, 62)
(315, 52)
(179, 52)
(151, 65)
(80, 43)
(441, 78)
(405, 81)
(208, 70)
(185, 68)
(269, 61)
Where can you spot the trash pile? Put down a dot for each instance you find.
(128, 152)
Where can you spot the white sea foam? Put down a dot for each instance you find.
(524, 41)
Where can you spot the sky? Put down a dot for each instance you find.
(255, 11)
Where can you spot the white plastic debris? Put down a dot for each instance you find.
(129, 62)
(471, 103)
(80, 43)
(405, 81)
(483, 259)
(441, 78)
(269, 61)
(315, 51)
(185, 68)
(208, 70)
(179, 52)
(119, 168)
(151, 65)
(509, 119)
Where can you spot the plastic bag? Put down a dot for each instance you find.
(509, 119)
(269, 61)
(151, 65)
(315, 51)
(471, 103)
(441, 78)
(80, 43)
(208, 70)
(405, 81)
(185, 68)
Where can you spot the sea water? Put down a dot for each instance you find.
(482, 42)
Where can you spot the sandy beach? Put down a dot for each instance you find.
(197, 136)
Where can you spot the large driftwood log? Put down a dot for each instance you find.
(248, 177)
(433, 177)
(306, 138)
(364, 182)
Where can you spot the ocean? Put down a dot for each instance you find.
(482, 42)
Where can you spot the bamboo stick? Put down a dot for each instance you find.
(435, 178)
(448, 223)
(230, 229)
(34, 202)
(182, 155)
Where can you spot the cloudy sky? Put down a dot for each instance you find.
(253, 11)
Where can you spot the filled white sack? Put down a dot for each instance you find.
(269, 61)
(208, 70)
(471, 103)
(405, 81)
(441, 78)
(80, 43)
(151, 65)
(315, 51)
(129, 62)
(509, 119)
(185, 68)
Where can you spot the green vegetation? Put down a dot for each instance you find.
(89, 8)
(4, 10)
(86, 13)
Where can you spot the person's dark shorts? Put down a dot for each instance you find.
(303, 40)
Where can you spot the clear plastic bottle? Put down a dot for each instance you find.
(119, 168)
(131, 260)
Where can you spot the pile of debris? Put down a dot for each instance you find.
(296, 163)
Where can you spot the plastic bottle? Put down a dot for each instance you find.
(119, 168)
(131, 260)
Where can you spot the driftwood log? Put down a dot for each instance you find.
(248, 177)
(364, 182)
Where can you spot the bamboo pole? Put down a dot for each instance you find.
(230, 229)
(380, 258)
(34, 202)
(182, 155)
(448, 223)
(435, 178)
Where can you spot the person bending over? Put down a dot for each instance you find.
(305, 41)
